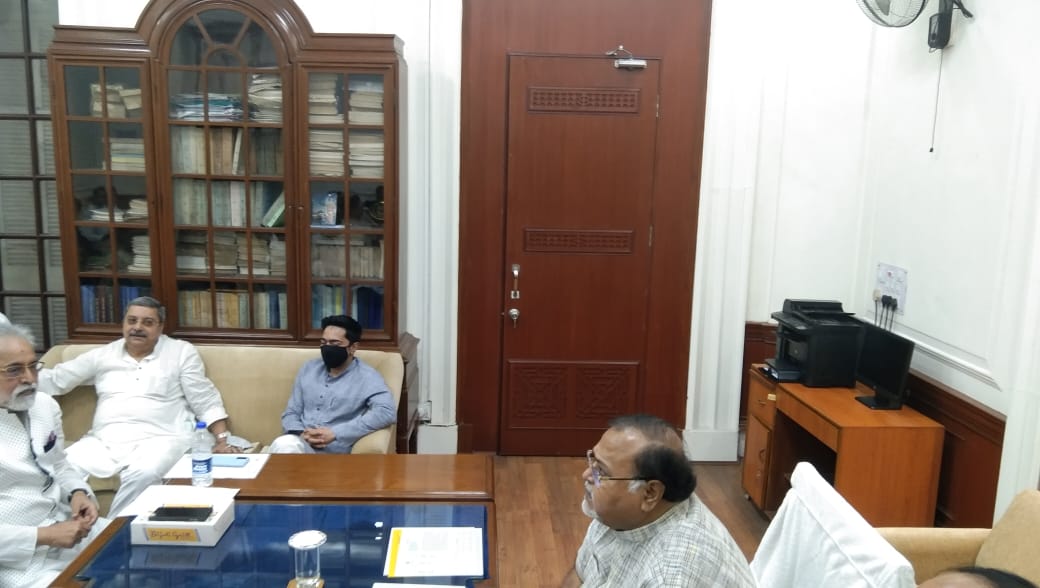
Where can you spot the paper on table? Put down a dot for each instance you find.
(155, 496)
(435, 551)
(182, 469)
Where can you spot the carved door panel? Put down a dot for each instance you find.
(580, 180)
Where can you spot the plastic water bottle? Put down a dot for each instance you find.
(201, 456)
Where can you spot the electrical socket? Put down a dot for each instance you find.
(891, 281)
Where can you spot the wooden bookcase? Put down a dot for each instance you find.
(227, 160)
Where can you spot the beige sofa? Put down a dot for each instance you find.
(1010, 545)
(255, 383)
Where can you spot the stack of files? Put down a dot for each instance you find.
(326, 152)
(366, 155)
(265, 98)
(277, 249)
(142, 261)
(191, 253)
(328, 256)
(323, 100)
(258, 249)
(127, 154)
(138, 210)
(101, 214)
(225, 254)
(110, 98)
(194, 106)
(366, 103)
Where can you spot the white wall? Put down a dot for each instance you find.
(843, 179)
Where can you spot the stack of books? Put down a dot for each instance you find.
(366, 155)
(366, 102)
(323, 104)
(265, 97)
(326, 152)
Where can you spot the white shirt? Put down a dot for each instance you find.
(161, 395)
(35, 482)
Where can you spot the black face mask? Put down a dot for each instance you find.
(334, 355)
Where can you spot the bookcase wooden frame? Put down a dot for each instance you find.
(333, 177)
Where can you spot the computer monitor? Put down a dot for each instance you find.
(884, 362)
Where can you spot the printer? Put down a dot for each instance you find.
(817, 343)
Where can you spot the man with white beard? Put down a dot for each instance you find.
(48, 511)
(648, 527)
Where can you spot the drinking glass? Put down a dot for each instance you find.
(305, 546)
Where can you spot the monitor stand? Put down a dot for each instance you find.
(876, 403)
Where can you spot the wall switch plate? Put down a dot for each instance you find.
(891, 281)
(424, 411)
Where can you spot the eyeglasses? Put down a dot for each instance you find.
(597, 475)
(13, 371)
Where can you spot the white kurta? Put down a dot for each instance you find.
(35, 482)
(145, 414)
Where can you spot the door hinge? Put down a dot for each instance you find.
(657, 107)
(650, 242)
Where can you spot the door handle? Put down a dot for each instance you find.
(514, 294)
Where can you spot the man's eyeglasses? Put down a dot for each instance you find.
(597, 475)
(15, 370)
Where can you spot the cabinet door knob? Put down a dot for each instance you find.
(771, 397)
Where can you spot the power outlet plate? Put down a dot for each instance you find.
(424, 410)
(891, 281)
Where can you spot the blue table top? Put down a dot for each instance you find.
(254, 550)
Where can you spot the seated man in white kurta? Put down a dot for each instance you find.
(47, 512)
(151, 389)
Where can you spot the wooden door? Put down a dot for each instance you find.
(580, 181)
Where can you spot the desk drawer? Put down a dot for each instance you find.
(762, 398)
(809, 419)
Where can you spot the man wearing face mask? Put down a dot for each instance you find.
(337, 399)
(48, 512)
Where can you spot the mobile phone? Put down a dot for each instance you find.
(224, 460)
(182, 513)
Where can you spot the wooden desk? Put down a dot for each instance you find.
(884, 462)
(368, 478)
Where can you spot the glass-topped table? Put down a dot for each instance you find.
(254, 551)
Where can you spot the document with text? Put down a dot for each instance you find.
(435, 551)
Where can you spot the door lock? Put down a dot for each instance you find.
(514, 313)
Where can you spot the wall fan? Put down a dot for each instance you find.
(899, 13)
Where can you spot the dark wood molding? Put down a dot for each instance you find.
(972, 446)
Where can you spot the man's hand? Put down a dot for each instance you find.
(318, 437)
(84, 509)
(223, 447)
(64, 534)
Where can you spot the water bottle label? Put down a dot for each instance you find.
(201, 466)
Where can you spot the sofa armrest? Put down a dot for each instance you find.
(933, 550)
(381, 441)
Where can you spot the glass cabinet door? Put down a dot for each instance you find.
(227, 164)
(346, 163)
(106, 181)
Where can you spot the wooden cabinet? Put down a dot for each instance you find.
(230, 162)
(758, 443)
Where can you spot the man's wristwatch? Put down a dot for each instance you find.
(73, 493)
(223, 437)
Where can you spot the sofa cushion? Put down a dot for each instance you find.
(1011, 544)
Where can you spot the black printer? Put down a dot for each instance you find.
(817, 343)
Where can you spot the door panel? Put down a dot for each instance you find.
(580, 181)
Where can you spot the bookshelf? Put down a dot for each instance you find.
(227, 160)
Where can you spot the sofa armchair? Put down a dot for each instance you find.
(255, 383)
(1010, 545)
